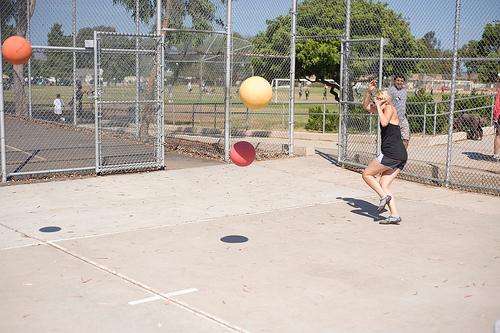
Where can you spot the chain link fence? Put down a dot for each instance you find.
(50, 103)
(450, 89)
(318, 55)
(195, 67)
(267, 128)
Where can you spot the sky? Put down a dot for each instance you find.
(250, 16)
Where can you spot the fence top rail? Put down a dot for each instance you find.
(456, 99)
(356, 40)
(124, 34)
(414, 115)
(89, 50)
(430, 102)
(427, 59)
(219, 32)
(61, 48)
(320, 36)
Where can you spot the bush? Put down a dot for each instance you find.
(415, 112)
(425, 100)
(315, 120)
(473, 101)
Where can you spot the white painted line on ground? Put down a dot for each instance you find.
(20, 246)
(156, 297)
(202, 220)
(25, 152)
(188, 222)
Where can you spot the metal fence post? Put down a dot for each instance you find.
(3, 161)
(425, 118)
(324, 117)
(158, 17)
(341, 104)
(215, 116)
(28, 33)
(227, 95)
(247, 119)
(380, 78)
(435, 118)
(160, 94)
(96, 104)
(345, 83)
(73, 24)
(291, 112)
(137, 73)
(456, 32)
(192, 115)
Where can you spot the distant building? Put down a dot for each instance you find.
(86, 75)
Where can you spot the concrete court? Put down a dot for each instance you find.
(315, 259)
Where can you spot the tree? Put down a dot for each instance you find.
(59, 64)
(487, 47)
(431, 42)
(8, 29)
(319, 56)
(18, 12)
(430, 47)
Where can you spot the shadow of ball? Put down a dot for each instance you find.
(234, 239)
(49, 229)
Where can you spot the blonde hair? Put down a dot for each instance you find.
(384, 95)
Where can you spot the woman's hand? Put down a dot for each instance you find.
(367, 100)
(372, 86)
(379, 103)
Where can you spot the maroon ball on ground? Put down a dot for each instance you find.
(242, 153)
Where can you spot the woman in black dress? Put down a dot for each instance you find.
(393, 157)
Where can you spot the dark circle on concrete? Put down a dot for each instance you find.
(234, 239)
(49, 229)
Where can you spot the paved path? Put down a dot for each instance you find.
(142, 252)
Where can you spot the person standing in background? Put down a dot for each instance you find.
(58, 106)
(399, 94)
(496, 123)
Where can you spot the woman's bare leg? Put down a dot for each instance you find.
(385, 182)
(373, 169)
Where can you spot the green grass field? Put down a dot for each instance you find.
(47, 94)
(180, 104)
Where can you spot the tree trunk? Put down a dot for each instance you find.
(149, 112)
(20, 100)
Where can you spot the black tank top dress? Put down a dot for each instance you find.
(394, 153)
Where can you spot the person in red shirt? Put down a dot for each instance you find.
(496, 122)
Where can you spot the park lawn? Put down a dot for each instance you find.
(47, 94)
(274, 116)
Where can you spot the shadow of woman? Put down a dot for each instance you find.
(363, 208)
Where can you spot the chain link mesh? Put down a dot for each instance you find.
(129, 102)
(420, 49)
(266, 128)
(455, 150)
(360, 137)
(194, 93)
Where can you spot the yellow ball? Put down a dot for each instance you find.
(255, 92)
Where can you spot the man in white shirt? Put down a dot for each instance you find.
(58, 106)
